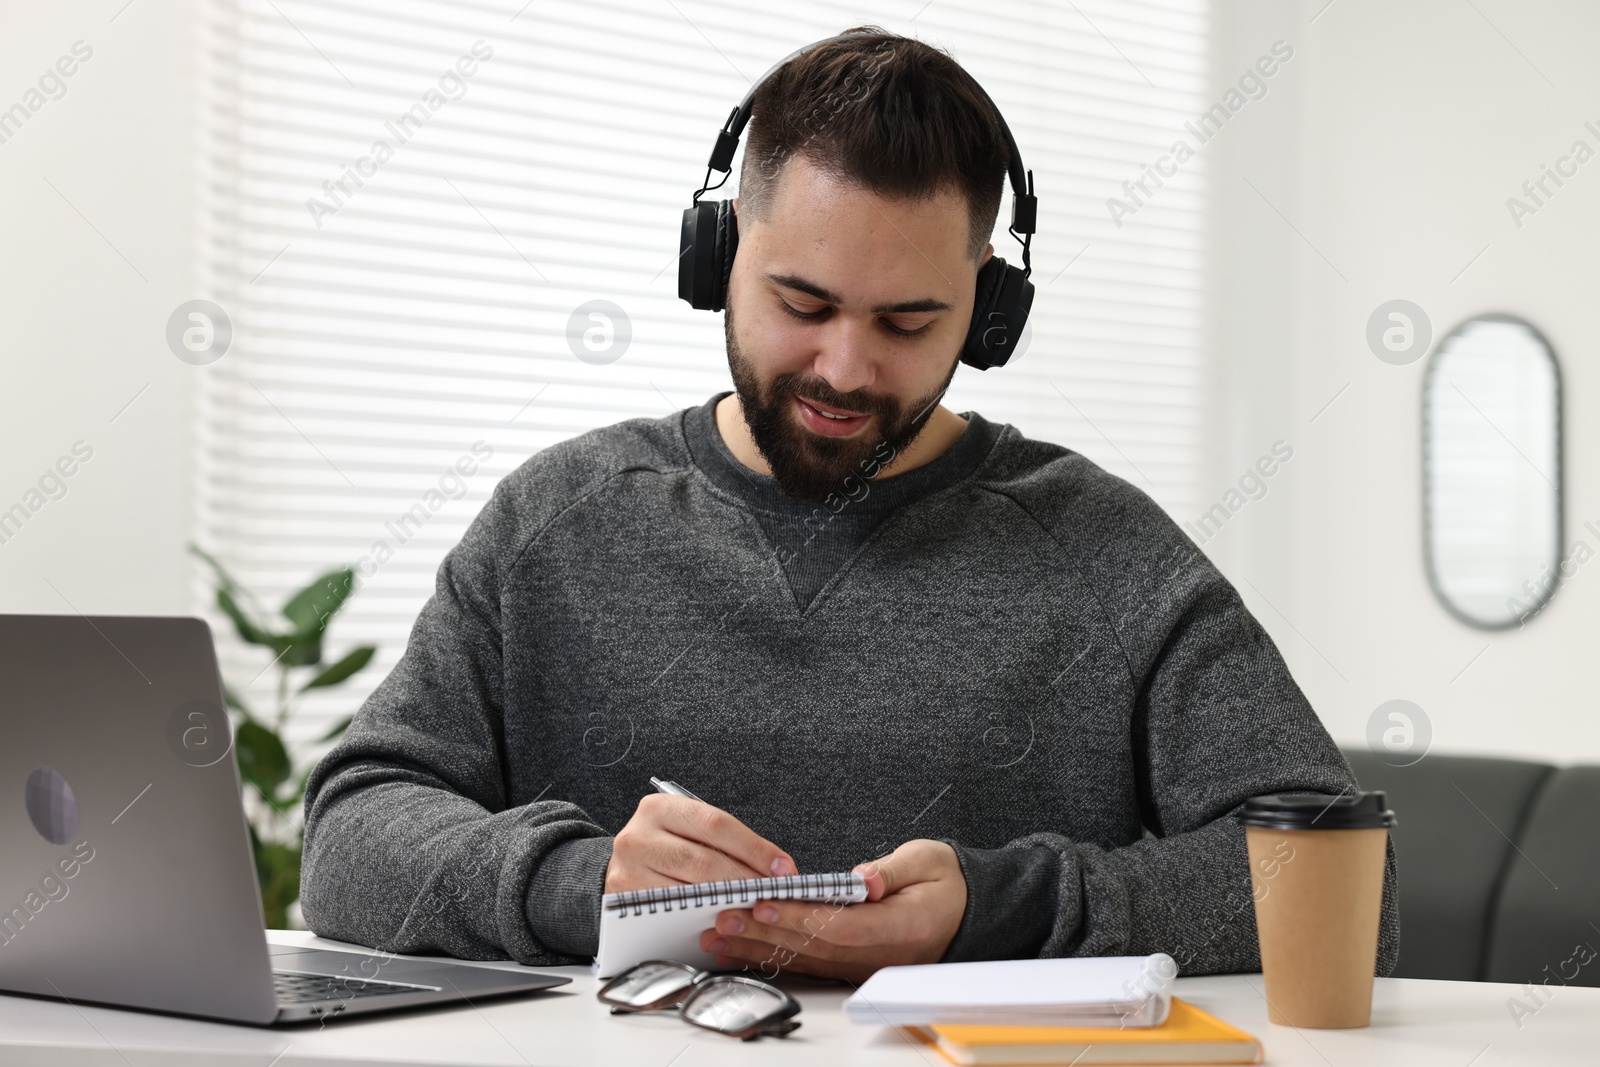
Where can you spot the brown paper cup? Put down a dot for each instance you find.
(1318, 897)
(1316, 870)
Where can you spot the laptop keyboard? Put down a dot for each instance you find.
(294, 988)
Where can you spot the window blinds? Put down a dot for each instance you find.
(409, 208)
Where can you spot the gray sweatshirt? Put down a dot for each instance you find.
(1007, 649)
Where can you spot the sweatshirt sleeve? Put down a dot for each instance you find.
(1218, 719)
(411, 844)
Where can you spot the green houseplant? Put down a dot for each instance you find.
(273, 785)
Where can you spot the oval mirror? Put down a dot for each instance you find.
(1491, 462)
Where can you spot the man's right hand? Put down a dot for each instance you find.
(674, 840)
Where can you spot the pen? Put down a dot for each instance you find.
(672, 789)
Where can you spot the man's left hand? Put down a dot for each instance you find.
(916, 897)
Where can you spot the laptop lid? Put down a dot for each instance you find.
(127, 877)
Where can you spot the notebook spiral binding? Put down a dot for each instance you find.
(820, 887)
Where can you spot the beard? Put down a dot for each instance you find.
(806, 464)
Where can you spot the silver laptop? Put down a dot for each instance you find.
(126, 875)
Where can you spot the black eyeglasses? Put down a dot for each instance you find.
(727, 1003)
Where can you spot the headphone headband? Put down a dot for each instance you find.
(1024, 205)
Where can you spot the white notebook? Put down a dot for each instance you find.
(665, 923)
(1133, 991)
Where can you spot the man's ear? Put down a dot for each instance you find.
(736, 211)
(988, 251)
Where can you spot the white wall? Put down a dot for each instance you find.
(83, 331)
(1400, 133)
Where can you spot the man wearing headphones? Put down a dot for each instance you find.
(870, 632)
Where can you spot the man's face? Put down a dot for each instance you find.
(843, 302)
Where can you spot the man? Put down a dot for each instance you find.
(866, 629)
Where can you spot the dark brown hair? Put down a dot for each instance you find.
(887, 113)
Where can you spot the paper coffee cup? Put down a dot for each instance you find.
(1316, 871)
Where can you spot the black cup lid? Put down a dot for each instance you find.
(1319, 811)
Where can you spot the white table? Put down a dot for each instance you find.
(1415, 1024)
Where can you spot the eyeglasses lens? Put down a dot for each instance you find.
(649, 984)
(731, 1006)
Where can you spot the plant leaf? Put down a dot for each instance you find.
(278, 869)
(293, 649)
(263, 761)
(225, 580)
(223, 577)
(298, 797)
(312, 607)
(342, 670)
(338, 728)
(286, 648)
(303, 653)
(248, 630)
(235, 701)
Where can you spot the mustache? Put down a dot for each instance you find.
(809, 387)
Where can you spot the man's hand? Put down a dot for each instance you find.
(916, 898)
(675, 840)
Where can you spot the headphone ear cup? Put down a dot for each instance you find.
(696, 246)
(1002, 299)
(727, 246)
(706, 246)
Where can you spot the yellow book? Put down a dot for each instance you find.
(1188, 1036)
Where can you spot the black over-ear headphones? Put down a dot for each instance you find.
(710, 238)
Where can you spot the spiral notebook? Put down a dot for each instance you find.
(665, 923)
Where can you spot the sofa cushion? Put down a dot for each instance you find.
(1457, 817)
(1547, 924)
